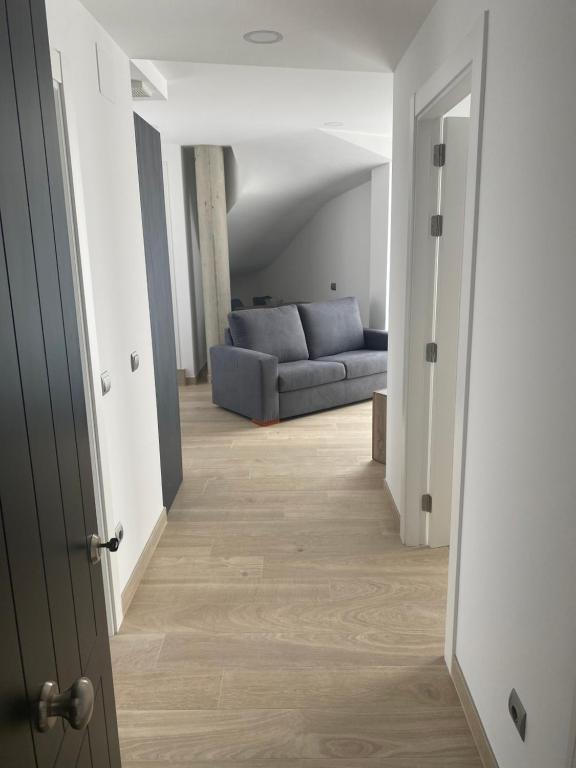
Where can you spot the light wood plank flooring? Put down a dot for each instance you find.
(280, 623)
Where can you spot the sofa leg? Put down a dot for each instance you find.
(270, 423)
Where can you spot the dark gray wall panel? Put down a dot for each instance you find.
(160, 298)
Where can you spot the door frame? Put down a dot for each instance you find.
(463, 72)
(87, 338)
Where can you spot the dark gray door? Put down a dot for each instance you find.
(51, 596)
(160, 298)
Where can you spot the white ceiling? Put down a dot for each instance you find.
(288, 163)
(364, 35)
(270, 103)
(219, 104)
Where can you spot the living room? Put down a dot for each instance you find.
(303, 201)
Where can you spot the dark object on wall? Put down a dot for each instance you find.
(260, 301)
(237, 304)
(54, 648)
(160, 299)
(517, 713)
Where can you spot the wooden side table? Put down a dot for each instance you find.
(379, 406)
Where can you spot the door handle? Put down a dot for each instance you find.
(75, 705)
(95, 544)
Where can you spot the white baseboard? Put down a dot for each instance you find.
(475, 723)
(392, 502)
(136, 576)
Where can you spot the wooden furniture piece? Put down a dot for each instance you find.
(379, 406)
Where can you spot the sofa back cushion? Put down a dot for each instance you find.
(332, 326)
(274, 330)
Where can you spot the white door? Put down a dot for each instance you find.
(426, 191)
(452, 197)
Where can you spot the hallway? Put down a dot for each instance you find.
(280, 623)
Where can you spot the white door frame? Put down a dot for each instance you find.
(465, 69)
(87, 336)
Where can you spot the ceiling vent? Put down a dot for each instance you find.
(141, 90)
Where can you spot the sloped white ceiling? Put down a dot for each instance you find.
(283, 182)
(366, 35)
(288, 163)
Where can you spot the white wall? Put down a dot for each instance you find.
(517, 609)
(180, 264)
(379, 214)
(103, 156)
(245, 287)
(335, 245)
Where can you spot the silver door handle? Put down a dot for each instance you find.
(75, 705)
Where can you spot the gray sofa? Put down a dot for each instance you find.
(294, 359)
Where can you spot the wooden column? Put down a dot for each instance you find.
(213, 237)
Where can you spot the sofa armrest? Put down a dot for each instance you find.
(374, 339)
(246, 382)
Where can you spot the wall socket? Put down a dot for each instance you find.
(119, 532)
(517, 713)
(332, 286)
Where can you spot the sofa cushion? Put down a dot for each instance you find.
(360, 362)
(274, 330)
(332, 326)
(303, 374)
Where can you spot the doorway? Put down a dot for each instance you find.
(441, 160)
(451, 166)
(112, 616)
(440, 290)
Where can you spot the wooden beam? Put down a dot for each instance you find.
(213, 238)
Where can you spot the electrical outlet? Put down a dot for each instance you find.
(332, 286)
(517, 713)
(119, 532)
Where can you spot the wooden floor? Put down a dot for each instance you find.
(281, 624)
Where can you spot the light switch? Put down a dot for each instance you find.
(105, 382)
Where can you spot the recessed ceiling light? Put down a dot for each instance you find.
(263, 36)
(334, 124)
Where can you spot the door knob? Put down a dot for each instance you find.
(75, 705)
(95, 544)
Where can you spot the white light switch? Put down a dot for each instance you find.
(106, 382)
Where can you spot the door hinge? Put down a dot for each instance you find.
(436, 222)
(426, 502)
(431, 352)
(439, 155)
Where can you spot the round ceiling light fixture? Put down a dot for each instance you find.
(334, 124)
(263, 36)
